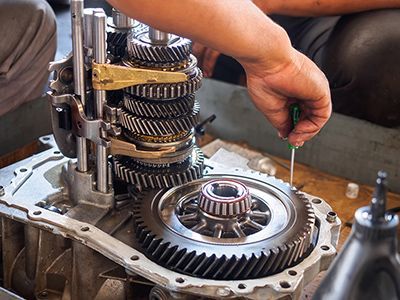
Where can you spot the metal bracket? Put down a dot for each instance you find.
(112, 77)
(63, 78)
(81, 126)
(128, 149)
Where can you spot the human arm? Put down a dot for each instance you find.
(313, 8)
(277, 74)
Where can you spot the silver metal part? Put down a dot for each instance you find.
(122, 21)
(100, 56)
(79, 73)
(140, 46)
(158, 37)
(225, 198)
(82, 234)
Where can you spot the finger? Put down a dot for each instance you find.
(310, 123)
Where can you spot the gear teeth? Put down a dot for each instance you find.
(197, 263)
(168, 90)
(132, 172)
(178, 49)
(116, 43)
(160, 109)
(159, 127)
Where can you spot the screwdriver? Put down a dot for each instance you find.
(295, 116)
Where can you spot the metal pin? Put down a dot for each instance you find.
(100, 56)
(79, 74)
(292, 166)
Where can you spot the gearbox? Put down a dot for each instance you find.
(122, 204)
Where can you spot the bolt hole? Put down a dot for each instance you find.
(325, 247)
(180, 280)
(37, 212)
(134, 257)
(46, 138)
(85, 228)
(284, 284)
(56, 152)
(23, 170)
(241, 286)
(79, 125)
(332, 214)
(292, 272)
(316, 201)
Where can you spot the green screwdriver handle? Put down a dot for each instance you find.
(295, 116)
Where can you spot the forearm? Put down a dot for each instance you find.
(236, 28)
(322, 7)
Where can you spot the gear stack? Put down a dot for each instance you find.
(161, 116)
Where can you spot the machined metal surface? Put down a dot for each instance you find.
(141, 46)
(79, 73)
(273, 234)
(19, 206)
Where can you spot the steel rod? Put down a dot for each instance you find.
(79, 74)
(158, 37)
(100, 56)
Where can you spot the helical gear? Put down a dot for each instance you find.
(159, 176)
(159, 127)
(168, 90)
(160, 109)
(178, 49)
(216, 259)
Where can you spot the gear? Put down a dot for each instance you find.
(140, 48)
(276, 233)
(160, 109)
(159, 127)
(153, 177)
(168, 90)
(116, 43)
(135, 137)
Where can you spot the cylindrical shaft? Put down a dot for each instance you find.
(158, 37)
(79, 73)
(122, 21)
(100, 56)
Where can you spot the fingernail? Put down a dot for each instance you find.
(281, 136)
(299, 144)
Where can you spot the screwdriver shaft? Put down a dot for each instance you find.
(292, 166)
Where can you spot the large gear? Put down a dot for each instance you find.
(160, 109)
(140, 47)
(159, 127)
(168, 90)
(153, 177)
(181, 242)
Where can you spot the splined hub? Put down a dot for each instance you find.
(274, 233)
(224, 198)
(159, 116)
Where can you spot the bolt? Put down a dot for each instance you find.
(2, 192)
(331, 217)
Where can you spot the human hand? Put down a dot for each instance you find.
(298, 80)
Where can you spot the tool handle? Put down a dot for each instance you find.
(295, 116)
